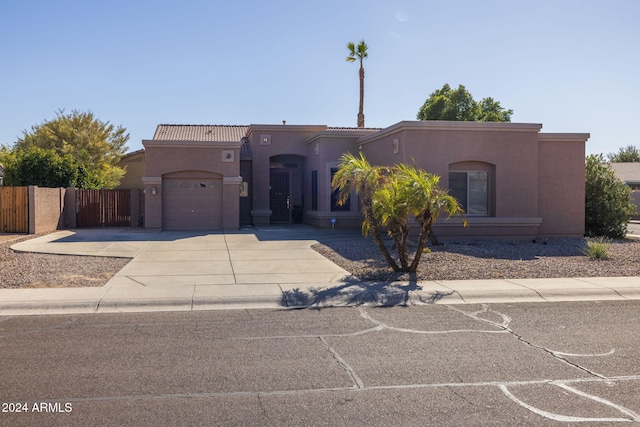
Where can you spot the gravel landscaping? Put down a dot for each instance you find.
(498, 259)
(31, 270)
(494, 259)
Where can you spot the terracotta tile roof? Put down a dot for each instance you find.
(628, 172)
(216, 133)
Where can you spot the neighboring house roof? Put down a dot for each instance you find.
(341, 132)
(355, 130)
(215, 133)
(131, 154)
(627, 172)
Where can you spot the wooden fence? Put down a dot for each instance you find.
(14, 209)
(103, 208)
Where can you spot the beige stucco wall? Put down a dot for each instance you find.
(268, 141)
(134, 165)
(562, 184)
(165, 157)
(325, 150)
(526, 198)
(46, 207)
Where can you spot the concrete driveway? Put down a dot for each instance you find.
(187, 268)
(198, 258)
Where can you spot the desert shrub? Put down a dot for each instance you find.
(597, 248)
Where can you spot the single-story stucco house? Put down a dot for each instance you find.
(513, 180)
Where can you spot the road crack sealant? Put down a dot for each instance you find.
(562, 357)
(501, 326)
(358, 384)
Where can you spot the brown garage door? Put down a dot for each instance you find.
(192, 203)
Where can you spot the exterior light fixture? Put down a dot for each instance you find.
(154, 191)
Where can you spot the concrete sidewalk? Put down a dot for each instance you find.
(266, 267)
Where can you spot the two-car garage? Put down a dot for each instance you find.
(192, 202)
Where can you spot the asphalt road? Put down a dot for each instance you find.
(633, 228)
(498, 364)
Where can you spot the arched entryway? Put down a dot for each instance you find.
(285, 187)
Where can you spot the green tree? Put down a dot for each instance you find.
(95, 145)
(608, 205)
(390, 197)
(7, 160)
(629, 154)
(459, 105)
(492, 111)
(359, 53)
(44, 168)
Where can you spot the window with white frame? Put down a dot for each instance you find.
(471, 189)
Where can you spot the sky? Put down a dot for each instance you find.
(571, 65)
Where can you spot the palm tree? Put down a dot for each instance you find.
(355, 173)
(390, 196)
(359, 52)
(426, 201)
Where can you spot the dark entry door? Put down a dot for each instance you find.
(280, 196)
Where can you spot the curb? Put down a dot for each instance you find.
(285, 302)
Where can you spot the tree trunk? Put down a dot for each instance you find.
(400, 233)
(425, 232)
(375, 230)
(361, 107)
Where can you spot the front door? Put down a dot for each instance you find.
(280, 196)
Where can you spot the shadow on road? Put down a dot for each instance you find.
(382, 294)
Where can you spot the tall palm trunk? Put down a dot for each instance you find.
(361, 107)
(359, 53)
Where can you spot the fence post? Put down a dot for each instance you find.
(70, 208)
(32, 209)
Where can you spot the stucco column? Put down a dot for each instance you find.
(231, 202)
(152, 201)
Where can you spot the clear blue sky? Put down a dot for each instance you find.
(572, 65)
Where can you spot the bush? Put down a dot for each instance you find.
(597, 248)
(608, 205)
(44, 168)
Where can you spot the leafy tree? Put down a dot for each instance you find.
(7, 159)
(608, 205)
(492, 111)
(459, 105)
(628, 154)
(95, 145)
(390, 197)
(44, 168)
(359, 53)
